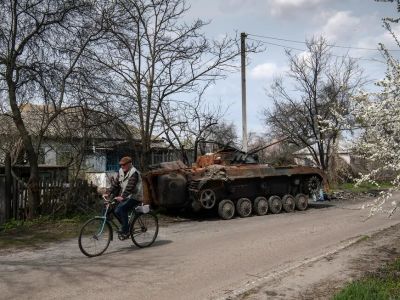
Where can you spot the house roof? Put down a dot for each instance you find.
(74, 123)
(69, 122)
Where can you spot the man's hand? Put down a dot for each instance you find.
(119, 198)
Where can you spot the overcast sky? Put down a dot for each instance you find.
(355, 23)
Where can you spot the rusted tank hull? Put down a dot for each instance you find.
(167, 186)
(181, 187)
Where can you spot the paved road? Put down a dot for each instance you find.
(212, 259)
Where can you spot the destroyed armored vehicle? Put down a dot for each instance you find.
(232, 181)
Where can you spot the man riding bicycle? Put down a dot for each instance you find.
(127, 189)
(125, 194)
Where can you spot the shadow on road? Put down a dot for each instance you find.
(133, 248)
(318, 205)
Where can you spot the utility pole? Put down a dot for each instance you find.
(243, 67)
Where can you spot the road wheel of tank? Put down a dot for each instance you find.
(301, 201)
(243, 207)
(261, 206)
(226, 209)
(207, 198)
(275, 204)
(288, 203)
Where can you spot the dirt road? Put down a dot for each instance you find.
(212, 259)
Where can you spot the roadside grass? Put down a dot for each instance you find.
(383, 284)
(34, 234)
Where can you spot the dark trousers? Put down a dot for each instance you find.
(122, 211)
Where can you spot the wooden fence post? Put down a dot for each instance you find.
(15, 196)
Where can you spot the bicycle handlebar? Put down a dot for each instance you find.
(108, 201)
(112, 201)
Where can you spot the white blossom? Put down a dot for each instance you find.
(379, 115)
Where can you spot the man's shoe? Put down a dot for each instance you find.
(122, 234)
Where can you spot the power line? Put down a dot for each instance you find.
(279, 45)
(330, 45)
(304, 50)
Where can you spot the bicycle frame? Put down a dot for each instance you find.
(104, 217)
(138, 229)
(111, 222)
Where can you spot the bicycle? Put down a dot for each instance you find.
(96, 233)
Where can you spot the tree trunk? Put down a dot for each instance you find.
(332, 172)
(33, 193)
(8, 184)
(33, 182)
(196, 146)
(184, 156)
(145, 159)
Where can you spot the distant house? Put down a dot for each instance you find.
(102, 160)
(81, 139)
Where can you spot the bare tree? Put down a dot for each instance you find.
(41, 43)
(186, 124)
(223, 134)
(313, 114)
(154, 57)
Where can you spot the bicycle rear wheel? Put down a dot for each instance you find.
(95, 237)
(144, 229)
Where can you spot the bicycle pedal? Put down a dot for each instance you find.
(123, 237)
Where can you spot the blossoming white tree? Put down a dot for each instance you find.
(379, 115)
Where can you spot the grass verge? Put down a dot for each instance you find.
(383, 284)
(39, 232)
(36, 233)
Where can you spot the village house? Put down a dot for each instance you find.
(85, 141)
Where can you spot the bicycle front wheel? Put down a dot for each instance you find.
(95, 236)
(144, 229)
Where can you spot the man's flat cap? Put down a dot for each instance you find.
(125, 160)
